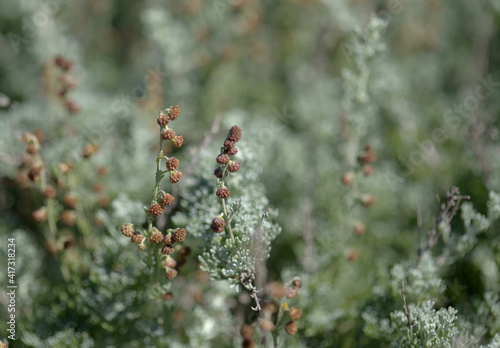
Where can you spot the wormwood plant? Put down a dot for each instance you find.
(157, 255)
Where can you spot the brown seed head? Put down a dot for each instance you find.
(174, 112)
(177, 141)
(128, 230)
(218, 224)
(172, 163)
(49, 192)
(171, 273)
(295, 313)
(246, 331)
(40, 215)
(234, 134)
(68, 217)
(179, 235)
(175, 176)
(70, 200)
(291, 328)
(137, 238)
(223, 159)
(156, 237)
(162, 119)
(167, 249)
(233, 166)
(168, 134)
(223, 192)
(155, 209)
(167, 199)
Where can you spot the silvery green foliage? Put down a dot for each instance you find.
(421, 283)
(252, 232)
(62, 339)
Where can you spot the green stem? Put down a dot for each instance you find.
(228, 223)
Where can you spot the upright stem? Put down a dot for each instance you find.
(228, 223)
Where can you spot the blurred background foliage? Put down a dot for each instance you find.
(311, 83)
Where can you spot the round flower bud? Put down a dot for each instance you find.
(231, 151)
(359, 228)
(40, 215)
(248, 343)
(174, 112)
(167, 296)
(296, 282)
(172, 163)
(171, 273)
(49, 192)
(368, 200)
(156, 236)
(291, 328)
(137, 238)
(234, 134)
(233, 166)
(69, 200)
(163, 119)
(167, 249)
(246, 331)
(68, 217)
(223, 192)
(228, 144)
(266, 325)
(155, 209)
(177, 141)
(347, 178)
(175, 176)
(168, 239)
(168, 134)
(218, 172)
(223, 159)
(128, 230)
(167, 199)
(179, 235)
(367, 170)
(169, 262)
(295, 313)
(218, 224)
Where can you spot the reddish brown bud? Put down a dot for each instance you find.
(171, 273)
(218, 224)
(248, 343)
(72, 107)
(68, 217)
(295, 313)
(175, 176)
(167, 199)
(156, 236)
(246, 331)
(223, 159)
(177, 141)
(168, 134)
(179, 235)
(218, 172)
(162, 119)
(40, 215)
(347, 178)
(167, 296)
(223, 192)
(228, 143)
(291, 328)
(353, 255)
(172, 163)
(89, 150)
(359, 228)
(368, 200)
(168, 239)
(231, 151)
(169, 262)
(368, 170)
(167, 249)
(233, 167)
(128, 230)
(155, 209)
(69, 200)
(137, 238)
(234, 134)
(49, 192)
(174, 112)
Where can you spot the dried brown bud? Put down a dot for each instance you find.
(68, 217)
(218, 172)
(169, 262)
(177, 141)
(137, 238)
(49, 192)
(40, 215)
(228, 143)
(69, 200)
(233, 167)
(231, 151)
(174, 112)
(156, 236)
(266, 325)
(218, 224)
(246, 331)
(127, 230)
(155, 209)
(223, 159)
(172, 163)
(223, 192)
(72, 107)
(291, 328)
(168, 134)
(171, 273)
(248, 343)
(175, 176)
(296, 282)
(295, 313)
(162, 119)
(167, 296)
(167, 199)
(179, 235)
(167, 249)
(234, 134)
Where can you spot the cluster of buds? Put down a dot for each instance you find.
(226, 166)
(161, 199)
(273, 314)
(32, 164)
(365, 160)
(65, 83)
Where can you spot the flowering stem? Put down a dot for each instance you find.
(228, 223)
